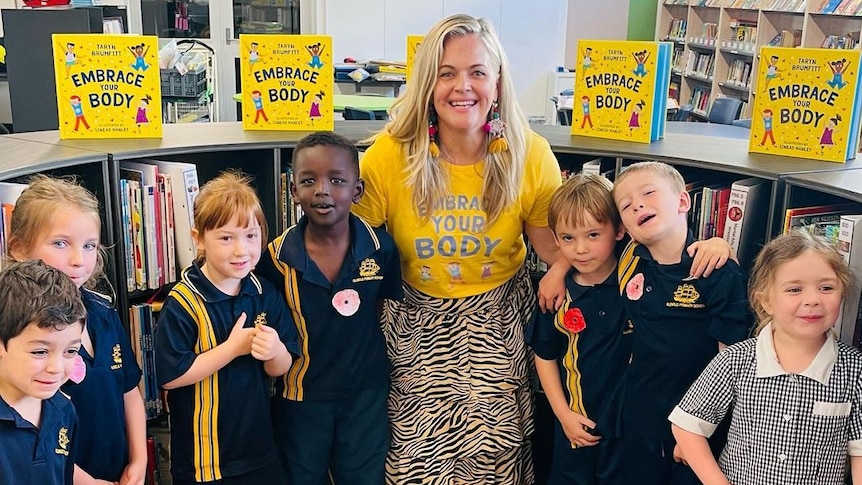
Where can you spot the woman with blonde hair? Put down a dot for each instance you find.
(458, 178)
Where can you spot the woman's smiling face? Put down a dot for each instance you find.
(466, 85)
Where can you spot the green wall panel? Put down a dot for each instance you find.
(641, 24)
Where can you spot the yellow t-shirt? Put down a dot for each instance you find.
(455, 254)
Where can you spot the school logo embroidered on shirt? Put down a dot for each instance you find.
(685, 296)
(260, 319)
(117, 354)
(62, 442)
(368, 270)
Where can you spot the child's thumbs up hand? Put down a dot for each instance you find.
(240, 338)
(265, 345)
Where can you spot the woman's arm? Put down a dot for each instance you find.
(552, 288)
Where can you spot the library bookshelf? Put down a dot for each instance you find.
(716, 42)
(266, 155)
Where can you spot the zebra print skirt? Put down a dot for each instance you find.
(460, 401)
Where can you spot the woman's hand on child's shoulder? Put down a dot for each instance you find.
(552, 287)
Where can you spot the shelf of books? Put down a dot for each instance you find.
(830, 204)
(732, 33)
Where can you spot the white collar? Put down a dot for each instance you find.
(768, 366)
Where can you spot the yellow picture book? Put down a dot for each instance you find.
(107, 85)
(286, 82)
(806, 103)
(413, 43)
(621, 90)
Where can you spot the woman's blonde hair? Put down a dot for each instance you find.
(785, 248)
(222, 199)
(410, 114)
(36, 208)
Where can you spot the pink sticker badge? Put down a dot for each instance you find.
(635, 287)
(346, 302)
(79, 370)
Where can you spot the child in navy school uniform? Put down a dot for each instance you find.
(41, 321)
(57, 220)
(222, 333)
(582, 349)
(680, 322)
(335, 270)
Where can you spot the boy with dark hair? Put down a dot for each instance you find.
(680, 322)
(41, 320)
(583, 348)
(335, 270)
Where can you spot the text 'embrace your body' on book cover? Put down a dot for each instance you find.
(107, 86)
(806, 103)
(621, 90)
(286, 82)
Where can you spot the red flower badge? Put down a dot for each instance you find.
(574, 321)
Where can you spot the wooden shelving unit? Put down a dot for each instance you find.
(732, 32)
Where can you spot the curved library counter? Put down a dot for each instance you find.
(265, 155)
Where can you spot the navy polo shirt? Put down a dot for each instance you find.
(592, 360)
(678, 324)
(45, 455)
(341, 353)
(103, 447)
(220, 426)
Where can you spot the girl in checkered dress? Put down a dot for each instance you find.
(794, 391)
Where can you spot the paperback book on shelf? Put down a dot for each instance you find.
(807, 103)
(621, 89)
(286, 82)
(108, 86)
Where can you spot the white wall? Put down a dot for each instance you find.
(533, 34)
(591, 19)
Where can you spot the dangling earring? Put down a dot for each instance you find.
(495, 128)
(433, 147)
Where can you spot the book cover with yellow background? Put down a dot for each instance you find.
(107, 86)
(286, 82)
(806, 103)
(413, 43)
(621, 90)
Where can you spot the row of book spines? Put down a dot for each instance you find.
(840, 7)
(739, 73)
(677, 29)
(771, 5)
(700, 99)
(158, 460)
(786, 38)
(840, 42)
(149, 239)
(743, 32)
(708, 216)
(291, 211)
(700, 64)
(142, 328)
